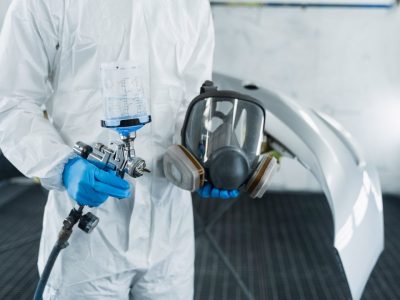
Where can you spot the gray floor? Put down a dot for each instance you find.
(20, 226)
(280, 246)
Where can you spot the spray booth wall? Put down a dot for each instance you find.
(344, 62)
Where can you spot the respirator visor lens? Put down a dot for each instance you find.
(214, 123)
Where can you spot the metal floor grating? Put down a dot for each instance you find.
(20, 227)
(281, 246)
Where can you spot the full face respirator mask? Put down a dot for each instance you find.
(222, 139)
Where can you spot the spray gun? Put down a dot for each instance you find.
(125, 112)
(120, 157)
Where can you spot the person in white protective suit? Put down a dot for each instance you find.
(50, 56)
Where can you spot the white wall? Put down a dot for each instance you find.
(345, 62)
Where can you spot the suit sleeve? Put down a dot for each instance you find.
(200, 64)
(28, 50)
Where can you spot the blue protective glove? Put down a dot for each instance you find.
(209, 191)
(89, 185)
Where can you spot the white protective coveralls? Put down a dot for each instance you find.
(50, 55)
